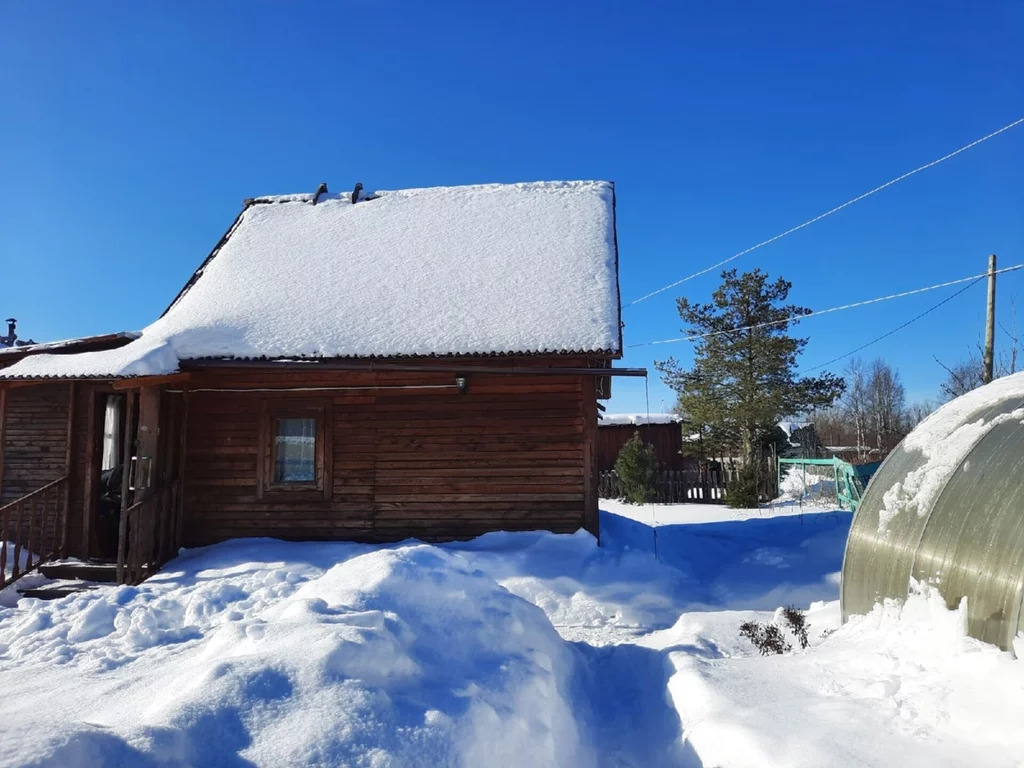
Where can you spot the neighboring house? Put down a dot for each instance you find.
(803, 439)
(423, 363)
(662, 430)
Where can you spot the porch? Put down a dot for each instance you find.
(89, 481)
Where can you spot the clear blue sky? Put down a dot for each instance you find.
(130, 133)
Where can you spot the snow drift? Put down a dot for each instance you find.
(244, 654)
(514, 649)
(903, 685)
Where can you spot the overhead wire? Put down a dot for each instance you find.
(897, 328)
(853, 305)
(829, 212)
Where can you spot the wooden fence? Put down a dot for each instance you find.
(693, 486)
(675, 486)
(37, 526)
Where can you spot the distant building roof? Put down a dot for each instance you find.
(10, 355)
(789, 427)
(618, 419)
(475, 270)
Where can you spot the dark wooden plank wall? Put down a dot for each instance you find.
(34, 444)
(667, 440)
(34, 439)
(431, 463)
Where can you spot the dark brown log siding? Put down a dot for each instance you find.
(428, 463)
(34, 443)
(667, 440)
(34, 439)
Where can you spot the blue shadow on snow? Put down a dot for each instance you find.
(756, 564)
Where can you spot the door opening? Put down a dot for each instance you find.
(111, 473)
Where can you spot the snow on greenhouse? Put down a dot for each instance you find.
(945, 509)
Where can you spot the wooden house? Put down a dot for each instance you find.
(419, 363)
(663, 431)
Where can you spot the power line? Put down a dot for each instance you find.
(821, 216)
(794, 318)
(897, 328)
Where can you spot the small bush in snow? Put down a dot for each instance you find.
(771, 638)
(767, 638)
(742, 492)
(636, 467)
(797, 622)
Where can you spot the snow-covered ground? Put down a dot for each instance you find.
(526, 649)
(689, 514)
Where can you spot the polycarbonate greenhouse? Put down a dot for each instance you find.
(947, 508)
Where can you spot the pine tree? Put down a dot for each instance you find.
(636, 467)
(744, 381)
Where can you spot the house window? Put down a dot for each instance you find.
(294, 449)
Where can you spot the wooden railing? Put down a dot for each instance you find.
(147, 535)
(36, 525)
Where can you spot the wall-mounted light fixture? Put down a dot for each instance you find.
(461, 383)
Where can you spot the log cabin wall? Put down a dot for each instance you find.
(35, 447)
(667, 440)
(34, 438)
(406, 454)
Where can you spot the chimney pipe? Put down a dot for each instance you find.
(8, 340)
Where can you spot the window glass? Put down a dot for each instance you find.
(295, 451)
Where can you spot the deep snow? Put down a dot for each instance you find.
(525, 649)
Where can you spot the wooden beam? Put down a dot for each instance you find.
(149, 381)
(66, 502)
(20, 383)
(3, 433)
(468, 368)
(92, 468)
(180, 511)
(126, 453)
(590, 504)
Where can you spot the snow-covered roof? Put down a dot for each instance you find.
(789, 427)
(489, 269)
(618, 419)
(65, 345)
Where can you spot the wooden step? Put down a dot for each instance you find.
(74, 570)
(56, 591)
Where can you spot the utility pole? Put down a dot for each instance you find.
(990, 322)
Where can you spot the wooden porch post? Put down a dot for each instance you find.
(148, 448)
(591, 520)
(126, 455)
(180, 505)
(65, 504)
(89, 487)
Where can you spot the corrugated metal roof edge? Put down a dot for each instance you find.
(197, 362)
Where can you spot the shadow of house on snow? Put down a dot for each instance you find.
(755, 564)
